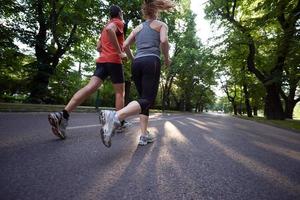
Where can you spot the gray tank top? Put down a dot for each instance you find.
(147, 41)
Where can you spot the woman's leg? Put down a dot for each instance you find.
(133, 108)
(144, 123)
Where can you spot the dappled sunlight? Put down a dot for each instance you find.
(181, 123)
(260, 169)
(121, 165)
(218, 125)
(110, 177)
(173, 133)
(279, 150)
(201, 127)
(169, 171)
(280, 136)
(260, 131)
(241, 126)
(196, 121)
(155, 115)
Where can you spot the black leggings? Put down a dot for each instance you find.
(145, 74)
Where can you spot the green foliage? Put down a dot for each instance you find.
(64, 83)
(186, 85)
(62, 36)
(262, 37)
(222, 104)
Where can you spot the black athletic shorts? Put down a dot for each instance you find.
(114, 70)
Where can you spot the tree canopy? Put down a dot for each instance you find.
(48, 53)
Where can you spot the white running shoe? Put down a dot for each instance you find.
(145, 139)
(109, 126)
(58, 123)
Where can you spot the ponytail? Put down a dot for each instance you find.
(151, 8)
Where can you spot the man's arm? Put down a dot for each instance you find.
(111, 29)
(99, 46)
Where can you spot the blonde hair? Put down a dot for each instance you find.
(151, 8)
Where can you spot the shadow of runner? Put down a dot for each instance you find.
(139, 179)
(223, 171)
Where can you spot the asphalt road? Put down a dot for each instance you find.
(202, 156)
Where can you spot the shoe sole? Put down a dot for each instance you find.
(101, 118)
(106, 134)
(55, 130)
(148, 142)
(104, 141)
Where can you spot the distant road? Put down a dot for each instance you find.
(206, 156)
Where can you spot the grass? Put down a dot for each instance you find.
(20, 107)
(288, 124)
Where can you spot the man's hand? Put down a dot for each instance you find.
(123, 56)
(99, 49)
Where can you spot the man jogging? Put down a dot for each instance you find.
(109, 63)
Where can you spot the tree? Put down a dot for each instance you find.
(290, 90)
(190, 72)
(279, 18)
(51, 28)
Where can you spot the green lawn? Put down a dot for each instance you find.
(18, 107)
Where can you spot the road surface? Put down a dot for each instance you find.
(195, 156)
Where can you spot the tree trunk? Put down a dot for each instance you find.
(247, 101)
(166, 92)
(165, 101)
(39, 84)
(234, 106)
(255, 111)
(239, 110)
(273, 106)
(289, 108)
(290, 101)
(127, 92)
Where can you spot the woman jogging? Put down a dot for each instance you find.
(149, 37)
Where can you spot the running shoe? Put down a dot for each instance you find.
(119, 129)
(126, 124)
(101, 118)
(123, 126)
(58, 123)
(145, 139)
(109, 126)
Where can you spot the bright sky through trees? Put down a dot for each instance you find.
(203, 27)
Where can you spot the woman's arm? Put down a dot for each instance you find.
(130, 40)
(164, 44)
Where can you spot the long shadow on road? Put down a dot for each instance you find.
(236, 164)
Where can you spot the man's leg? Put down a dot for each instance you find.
(84, 93)
(119, 95)
(59, 120)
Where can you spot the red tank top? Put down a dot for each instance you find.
(108, 53)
